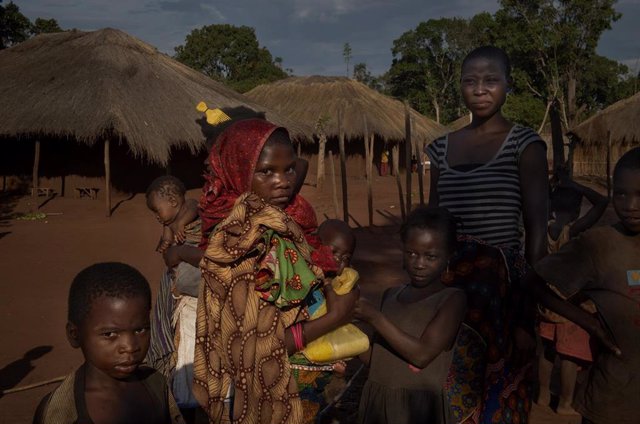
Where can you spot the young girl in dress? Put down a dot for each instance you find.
(416, 328)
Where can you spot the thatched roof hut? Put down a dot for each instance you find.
(621, 119)
(310, 99)
(460, 123)
(106, 83)
(603, 138)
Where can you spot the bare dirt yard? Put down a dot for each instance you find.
(39, 259)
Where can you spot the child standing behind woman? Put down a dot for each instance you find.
(416, 328)
(558, 335)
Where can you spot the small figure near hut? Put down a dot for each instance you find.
(384, 162)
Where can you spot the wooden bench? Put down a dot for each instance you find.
(42, 191)
(89, 192)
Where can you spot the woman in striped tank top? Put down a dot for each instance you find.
(492, 175)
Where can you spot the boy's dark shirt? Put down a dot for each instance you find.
(604, 264)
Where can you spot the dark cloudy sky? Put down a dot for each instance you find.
(308, 34)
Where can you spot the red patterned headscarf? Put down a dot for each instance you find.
(232, 163)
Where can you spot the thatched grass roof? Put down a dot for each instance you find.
(621, 118)
(308, 99)
(459, 123)
(89, 85)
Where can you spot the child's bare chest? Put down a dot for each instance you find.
(133, 405)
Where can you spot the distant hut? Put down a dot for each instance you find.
(317, 101)
(600, 140)
(459, 123)
(105, 104)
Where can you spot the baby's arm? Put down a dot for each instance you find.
(165, 240)
(188, 214)
(438, 336)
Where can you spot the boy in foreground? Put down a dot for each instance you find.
(109, 305)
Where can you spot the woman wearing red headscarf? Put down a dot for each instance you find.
(257, 269)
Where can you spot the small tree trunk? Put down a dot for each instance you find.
(436, 107)
(609, 164)
(343, 169)
(367, 154)
(322, 144)
(396, 165)
(36, 165)
(571, 100)
(107, 176)
(556, 137)
(336, 207)
(407, 154)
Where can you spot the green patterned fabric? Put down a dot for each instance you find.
(284, 277)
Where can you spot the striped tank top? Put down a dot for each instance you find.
(487, 198)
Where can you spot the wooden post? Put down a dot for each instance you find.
(609, 164)
(368, 153)
(556, 137)
(408, 150)
(107, 177)
(36, 164)
(396, 165)
(299, 148)
(418, 150)
(343, 169)
(320, 171)
(336, 208)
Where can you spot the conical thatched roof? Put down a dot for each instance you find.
(91, 84)
(621, 118)
(308, 99)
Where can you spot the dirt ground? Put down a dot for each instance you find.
(40, 258)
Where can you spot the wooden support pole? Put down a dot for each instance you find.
(343, 169)
(418, 150)
(557, 142)
(368, 153)
(299, 148)
(336, 208)
(36, 164)
(107, 177)
(408, 144)
(395, 152)
(609, 164)
(322, 144)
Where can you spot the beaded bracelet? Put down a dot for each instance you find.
(298, 336)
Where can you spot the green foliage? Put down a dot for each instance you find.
(362, 74)
(14, 26)
(426, 63)
(525, 109)
(230, 54)
(45, 26)
(553, 43)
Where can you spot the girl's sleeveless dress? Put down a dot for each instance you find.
(394, 393)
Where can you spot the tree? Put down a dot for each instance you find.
(14, 26)
(346, 53)
(44, 26)
(426, 63)
(362, 74)
(230, 54)
(553, 42)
